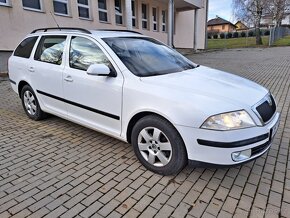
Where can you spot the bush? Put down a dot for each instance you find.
(251, 33)
(243, 34)
(215, 36)
(211, 33)
(222, 35)
(229, 35)
(236, 35)
(267, 33)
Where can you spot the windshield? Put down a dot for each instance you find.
(147, 57)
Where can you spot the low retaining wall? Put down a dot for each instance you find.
(4, 55)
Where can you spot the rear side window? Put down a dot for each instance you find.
(24, 49)
(50, 49)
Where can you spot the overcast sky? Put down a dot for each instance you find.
(222, 8)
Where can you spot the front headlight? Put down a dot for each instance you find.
(229, 121)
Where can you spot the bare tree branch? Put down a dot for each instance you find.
(251, 11)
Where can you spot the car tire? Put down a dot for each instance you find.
(158, 145)
(30, 104)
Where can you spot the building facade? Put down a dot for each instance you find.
(182, 23)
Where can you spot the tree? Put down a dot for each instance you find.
(251, 11)
(277, 9)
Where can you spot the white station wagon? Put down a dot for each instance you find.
(136, 89)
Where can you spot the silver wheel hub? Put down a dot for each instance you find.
(29, 102)
(154, 146)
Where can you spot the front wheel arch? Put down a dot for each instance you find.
(175, 160)
(139, 116)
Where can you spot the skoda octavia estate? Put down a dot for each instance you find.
(136, 89)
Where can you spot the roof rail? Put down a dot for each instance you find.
(62, 28)
(116, 30)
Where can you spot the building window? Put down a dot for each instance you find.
(223, 27)
(60, 7)
(118, 12)
(155, 19)
(133, 4)
(32, 4)
(163, 21)
(144, 17)
(103, 12)
(5, 2)
(84, 9)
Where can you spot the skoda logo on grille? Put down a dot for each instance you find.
(269, 100)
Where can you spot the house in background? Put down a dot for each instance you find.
(219, 25)
(240, 26)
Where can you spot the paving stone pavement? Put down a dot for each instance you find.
(55, 168)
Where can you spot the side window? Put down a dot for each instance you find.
(50, 49)
(84, 52)
(24, 49)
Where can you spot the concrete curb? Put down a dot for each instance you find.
(3, 74)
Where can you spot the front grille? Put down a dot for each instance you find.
(267, 109)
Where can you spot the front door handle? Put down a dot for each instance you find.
(68, 79)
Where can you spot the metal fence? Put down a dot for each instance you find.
(278, 33)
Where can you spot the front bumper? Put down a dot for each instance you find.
(217, 147)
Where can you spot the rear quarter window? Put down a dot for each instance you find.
(25, 47)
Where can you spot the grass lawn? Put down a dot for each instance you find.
(235, 42)
(283, 42)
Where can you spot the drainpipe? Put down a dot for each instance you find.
(195, 30)
(128, 5)
(170, 22)
(205, 25)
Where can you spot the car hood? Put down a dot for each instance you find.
(211, 83)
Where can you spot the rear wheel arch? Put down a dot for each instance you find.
(21, 84)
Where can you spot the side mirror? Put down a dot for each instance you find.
(99, 70)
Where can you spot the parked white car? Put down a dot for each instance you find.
(136, 89)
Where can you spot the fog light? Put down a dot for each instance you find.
(241, 155)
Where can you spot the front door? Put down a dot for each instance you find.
(92, 100)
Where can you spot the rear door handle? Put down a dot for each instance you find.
(31, 69)
(68, 79)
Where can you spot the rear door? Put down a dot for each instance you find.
(95, 101)
(47, 67)
(19, 62)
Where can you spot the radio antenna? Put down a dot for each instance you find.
(55, 20)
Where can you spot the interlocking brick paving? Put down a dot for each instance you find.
(57, 168)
